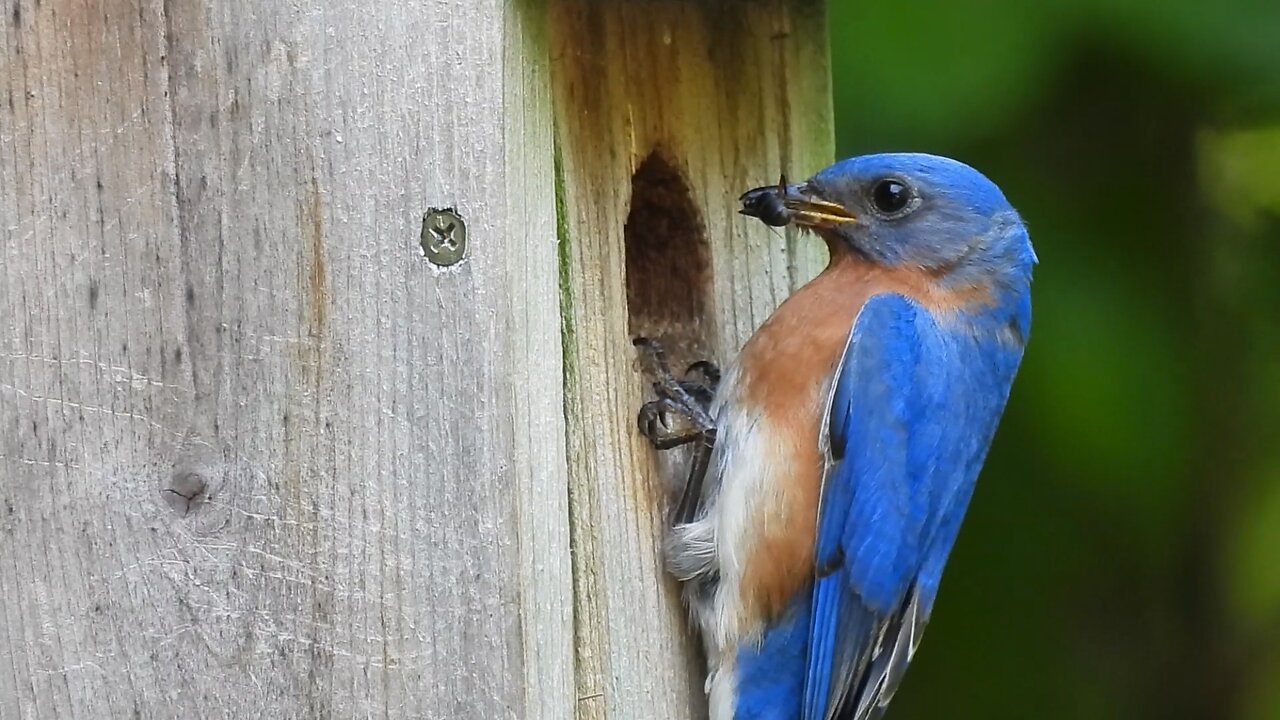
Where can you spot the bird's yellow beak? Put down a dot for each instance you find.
(783, 204)
(814, 212)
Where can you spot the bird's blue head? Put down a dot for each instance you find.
(910, 210)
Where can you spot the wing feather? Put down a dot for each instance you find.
(912, 411)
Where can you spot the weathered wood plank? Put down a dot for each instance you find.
(665, 112)
(212, 288)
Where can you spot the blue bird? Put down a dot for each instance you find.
(849, 433)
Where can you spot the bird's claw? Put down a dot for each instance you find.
(667, 425)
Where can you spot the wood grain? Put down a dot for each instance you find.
(259, 459)
(709, 98)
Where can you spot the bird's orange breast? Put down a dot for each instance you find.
(783, 369)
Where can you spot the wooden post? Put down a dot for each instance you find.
(258, 455)
(665, 113)
(259, 458)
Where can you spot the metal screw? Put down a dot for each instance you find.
(444, 237)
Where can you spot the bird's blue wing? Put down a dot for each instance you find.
(913, 410)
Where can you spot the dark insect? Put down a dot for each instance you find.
(766, 203)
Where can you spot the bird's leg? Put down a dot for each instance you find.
(655, 426)
(688, 403)
(686, 510)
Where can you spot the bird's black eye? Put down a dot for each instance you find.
(891, 196)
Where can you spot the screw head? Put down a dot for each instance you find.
(444, 236)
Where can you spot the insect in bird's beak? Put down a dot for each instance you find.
(782, 204)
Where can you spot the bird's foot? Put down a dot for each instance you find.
(681, 412)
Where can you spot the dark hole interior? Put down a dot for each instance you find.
(668, 262)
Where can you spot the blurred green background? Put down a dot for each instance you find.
(1122, 555)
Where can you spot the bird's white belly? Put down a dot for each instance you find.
(743, 483)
